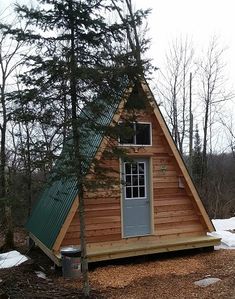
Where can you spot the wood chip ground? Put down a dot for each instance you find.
(159, 276)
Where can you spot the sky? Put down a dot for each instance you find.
(199, 20)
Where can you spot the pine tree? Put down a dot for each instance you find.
(79, 58)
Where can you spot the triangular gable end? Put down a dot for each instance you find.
(189, 183)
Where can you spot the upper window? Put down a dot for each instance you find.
(135, 133)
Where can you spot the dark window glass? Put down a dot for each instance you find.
(128, 192)
(135, 133)
(134, 169)
(143, 134)
(135, 180)
(142, 192)
(128, 180)
(141, 180)
(127, 133)
(135, 192)
(128, 168)
(141, 168)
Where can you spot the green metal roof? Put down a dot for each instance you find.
(56, 200)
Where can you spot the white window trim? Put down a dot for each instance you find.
(138, 145)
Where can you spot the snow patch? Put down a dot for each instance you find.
(11, 259)
(40, 274)
(227, 238)
(222, 227)
(224, 224)
(206, 281)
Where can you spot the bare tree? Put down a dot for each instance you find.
(10, 60)
(212, 93)
(228, 124)
(174, 88)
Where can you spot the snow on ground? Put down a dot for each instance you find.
(11, 259)
(40, 274)
(225, 229)
(206, 281)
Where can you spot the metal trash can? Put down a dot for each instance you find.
(71, 261)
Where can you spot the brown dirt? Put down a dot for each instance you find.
(168, 276)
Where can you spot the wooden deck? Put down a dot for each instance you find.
(121, 250)
(139, 248)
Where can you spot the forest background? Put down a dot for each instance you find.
(192, 89)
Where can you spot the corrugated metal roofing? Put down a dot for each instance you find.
(57, 198)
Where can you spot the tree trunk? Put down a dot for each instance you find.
(3, 162)
(205, 130)
(3, 128)
(9, 234)
(190, 125)
(28, 172)
(77, 156)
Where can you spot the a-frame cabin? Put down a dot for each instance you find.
(157, 210)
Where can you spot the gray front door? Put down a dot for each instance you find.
(136, 198)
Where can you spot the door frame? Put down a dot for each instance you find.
(151, 201)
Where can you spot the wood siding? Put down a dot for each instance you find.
(174, 212)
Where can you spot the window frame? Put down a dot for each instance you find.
(134, 144)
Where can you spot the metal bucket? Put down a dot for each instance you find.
(71, 261)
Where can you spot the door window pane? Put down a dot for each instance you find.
(128, 180)
(128, 192)
(142, 192)
(134, 168)
(141, 167)
(135, 192)
(127, 168)
(135, 180)
(141, 180)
